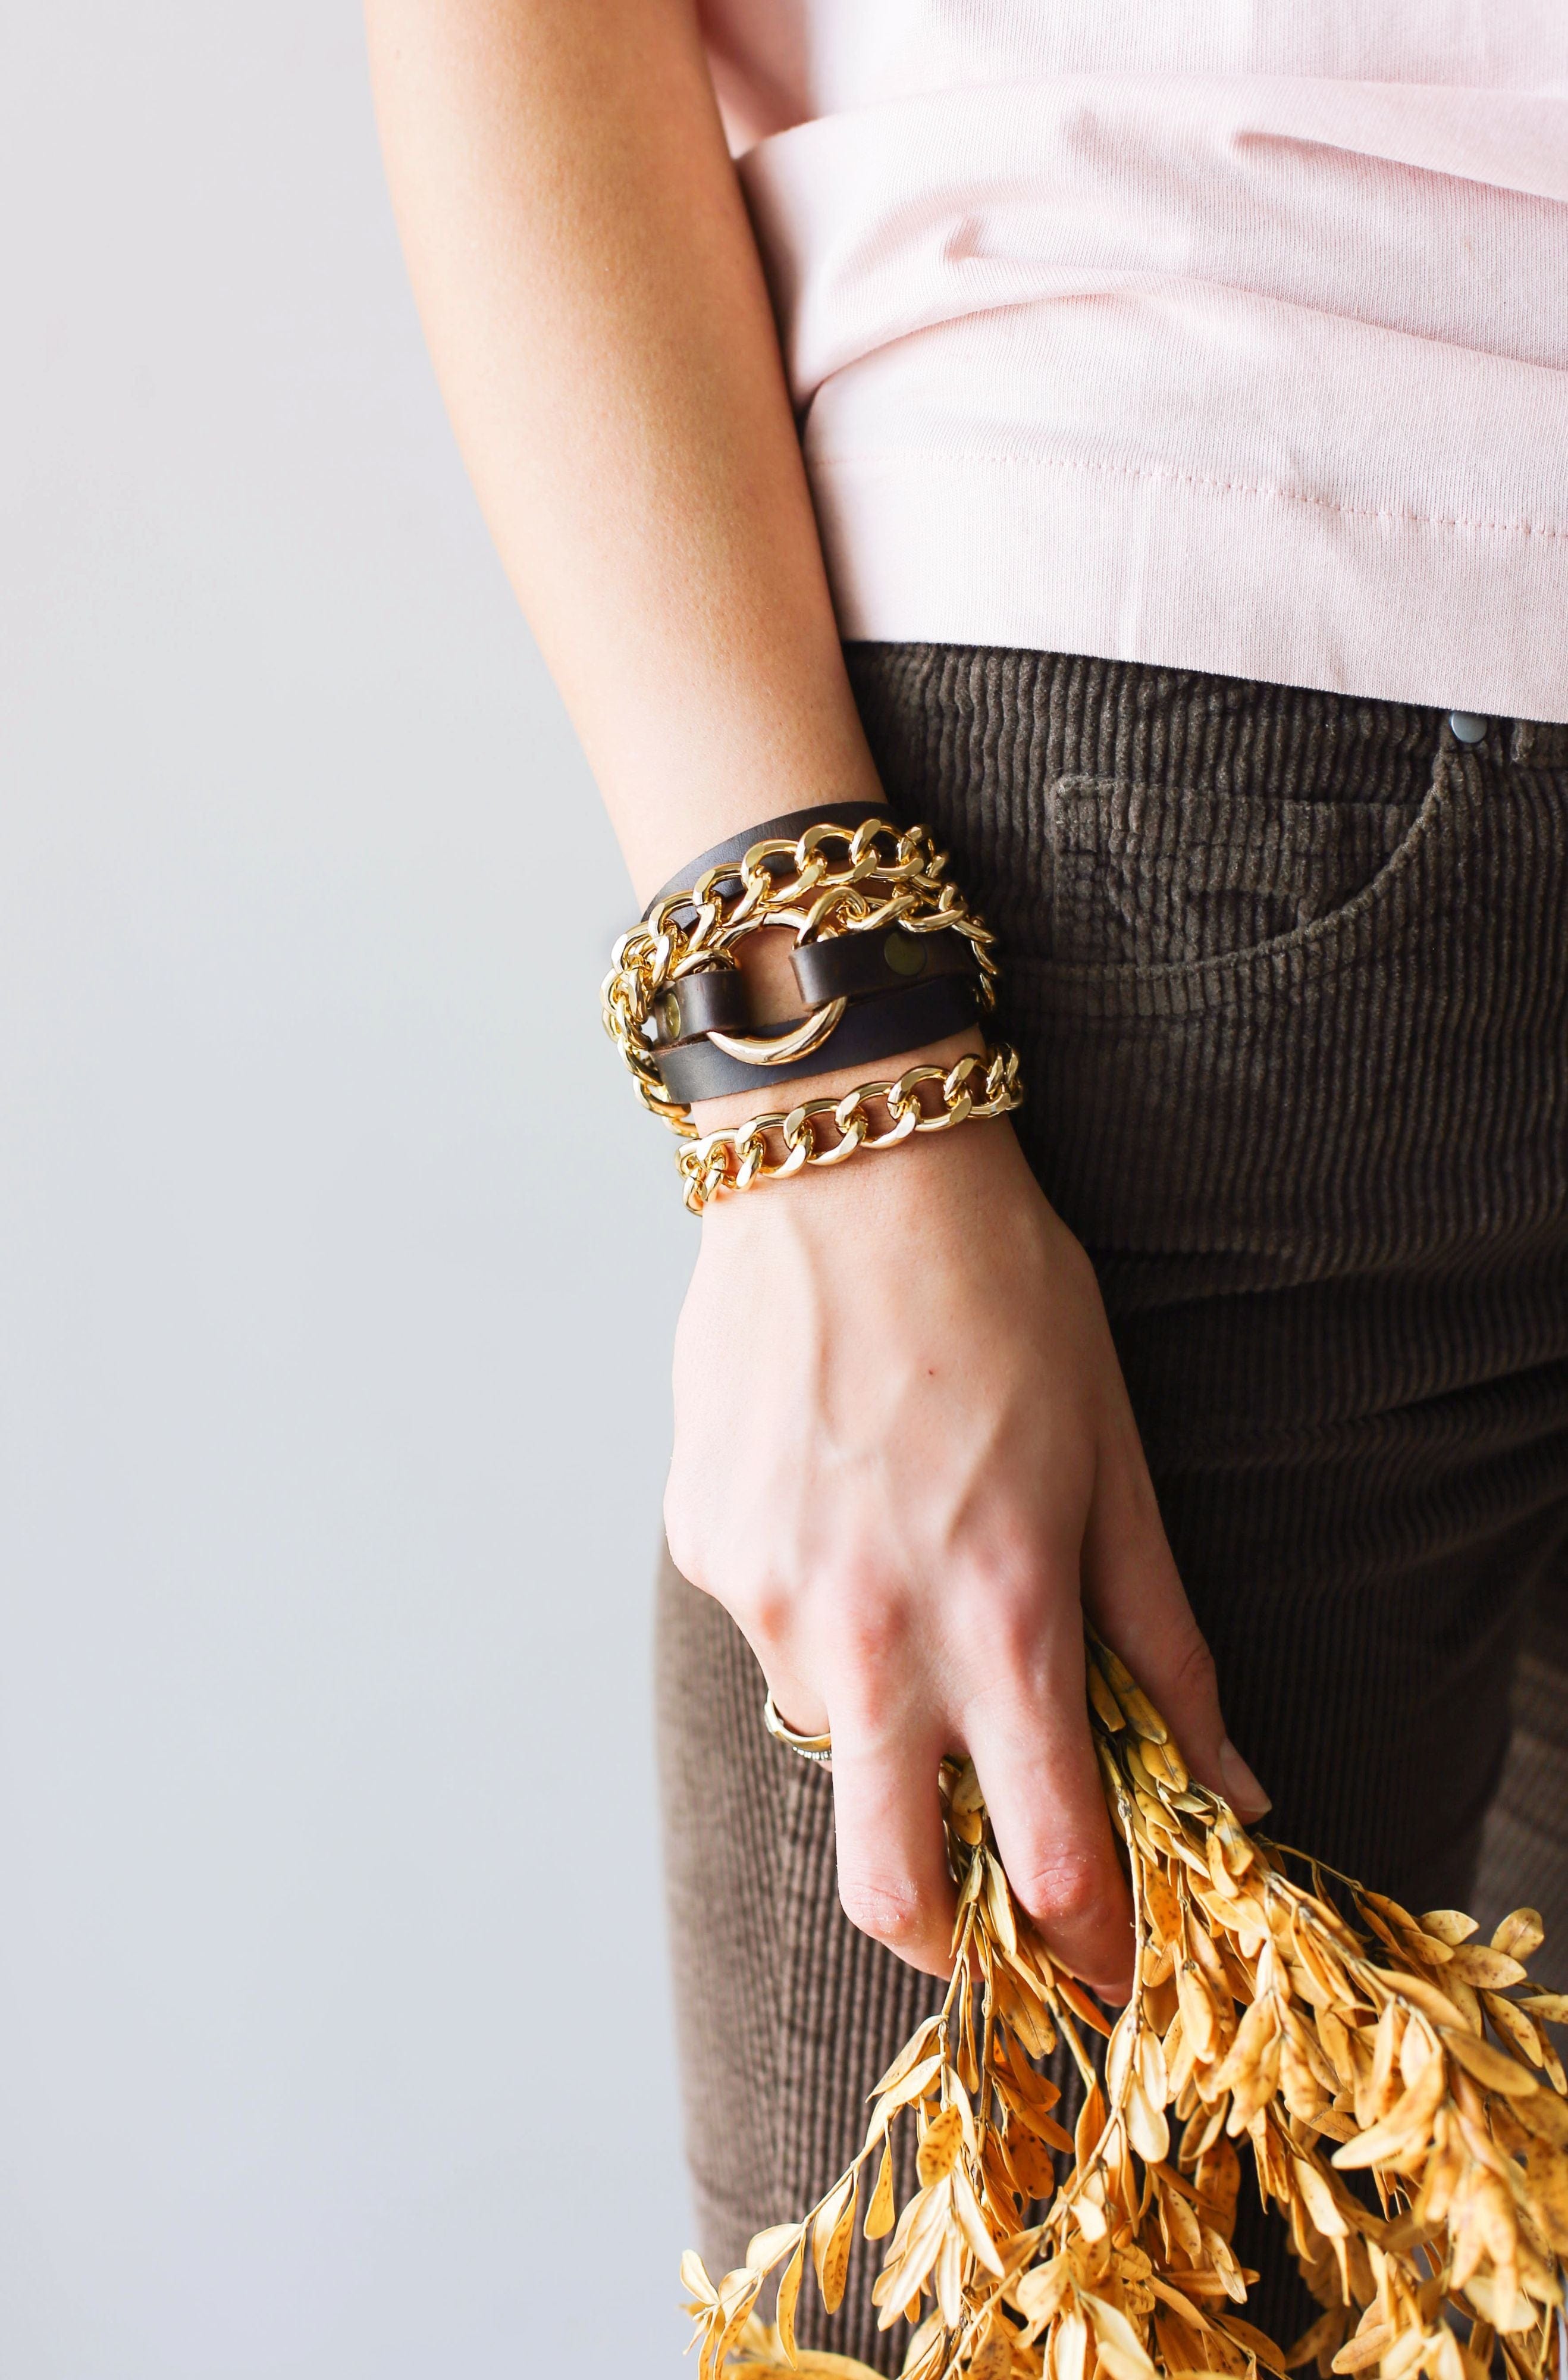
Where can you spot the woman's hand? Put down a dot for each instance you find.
(905, 1463)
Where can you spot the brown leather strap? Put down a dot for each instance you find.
(881, 1026)
(847, 966)
(710, 1000)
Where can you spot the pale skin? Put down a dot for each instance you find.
(912, 1486)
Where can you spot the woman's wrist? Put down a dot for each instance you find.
(975, 1181)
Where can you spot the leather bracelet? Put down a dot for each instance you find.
(793, 823)
(883, 1026)
(847, 966)
(887, 954)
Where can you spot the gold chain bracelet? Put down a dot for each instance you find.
(739, 1158)
(836, 879)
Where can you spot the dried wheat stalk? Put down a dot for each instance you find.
(1344, 2041)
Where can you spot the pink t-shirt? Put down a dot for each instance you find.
(1230, 334)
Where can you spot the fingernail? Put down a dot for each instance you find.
(1245, 1793)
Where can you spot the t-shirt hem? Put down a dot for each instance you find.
(1379, 600)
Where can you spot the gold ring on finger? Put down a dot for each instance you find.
(816, 1748)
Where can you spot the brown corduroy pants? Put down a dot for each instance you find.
(1290, 976)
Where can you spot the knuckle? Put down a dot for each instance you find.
(1002, 1630)
(887, 1910)
(769, 1617)
(1063, 1888)
(686, 1552)
(868, 1622)
(760, 1604)
(684, 1535)
(998, 1593)
(1004, 1641)
(1193, 1670)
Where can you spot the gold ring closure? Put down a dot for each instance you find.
(760, 1050)
(829, 881)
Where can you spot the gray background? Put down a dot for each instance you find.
(337, 1271)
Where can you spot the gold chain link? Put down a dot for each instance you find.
(740, 1157)
(888, 875)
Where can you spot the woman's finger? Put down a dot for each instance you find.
(1028, 1733)
(893, 1878)
(1134, 1596)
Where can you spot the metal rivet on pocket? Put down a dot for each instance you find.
(1467, 728)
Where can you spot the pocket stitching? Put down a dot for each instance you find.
(1218, 981)
(1114, 835)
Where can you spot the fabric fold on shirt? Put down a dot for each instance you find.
(1254, 372)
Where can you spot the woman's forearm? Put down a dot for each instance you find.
(903, 1487)
(593, 300)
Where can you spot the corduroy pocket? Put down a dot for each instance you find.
(1179, 903)
(1162, 876)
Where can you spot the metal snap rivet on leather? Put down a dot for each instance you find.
(669, 1013)
(1467, 728)
(905, 953)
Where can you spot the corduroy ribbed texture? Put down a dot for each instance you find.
(1289, 975)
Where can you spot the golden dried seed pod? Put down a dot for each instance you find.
(1347, 2054)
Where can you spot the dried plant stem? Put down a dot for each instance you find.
(1329, 2029)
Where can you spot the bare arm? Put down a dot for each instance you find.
(907, 1491)
(598, 314)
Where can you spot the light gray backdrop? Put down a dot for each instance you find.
(337, 1271)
